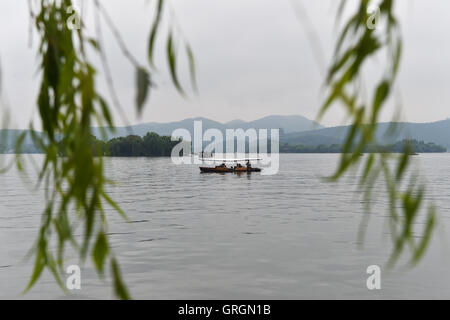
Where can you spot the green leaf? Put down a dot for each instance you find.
(40, 261)
(192, 71)
(154, 31)
(397, 58)
(171, 59)
(119, 287)
(381, 94)
(402, 164)
(420, 250)
(142, 84)
(105, 111)
(100, 252)
(114, 205)
(39, 266)
(94, 43)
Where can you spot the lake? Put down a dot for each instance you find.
(209, 236)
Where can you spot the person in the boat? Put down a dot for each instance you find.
(249, 165)
(223, 165)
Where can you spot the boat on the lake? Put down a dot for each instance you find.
(238, 168)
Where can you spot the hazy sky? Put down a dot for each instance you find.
(254, 59)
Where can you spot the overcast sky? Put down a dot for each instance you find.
(254, 59)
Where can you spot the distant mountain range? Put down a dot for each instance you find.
(437, 132)
(294, 130)
(287, 124)
(8, 138)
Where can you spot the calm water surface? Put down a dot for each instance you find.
(208, 236)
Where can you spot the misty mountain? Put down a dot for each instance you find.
(8, 137)
(286, 124)
(437, 132)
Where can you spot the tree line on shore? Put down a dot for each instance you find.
(151, 145)
(411, 145)
(154, 145)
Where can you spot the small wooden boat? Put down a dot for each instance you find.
(216, 169)
(219, 169)
(238, 168)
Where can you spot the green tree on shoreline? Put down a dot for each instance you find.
(151, 145)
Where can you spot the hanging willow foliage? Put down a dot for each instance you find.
(69, 105)
(358, 41)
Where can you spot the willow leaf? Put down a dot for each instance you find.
(143, 85)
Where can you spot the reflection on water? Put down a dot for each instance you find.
(193, 235)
